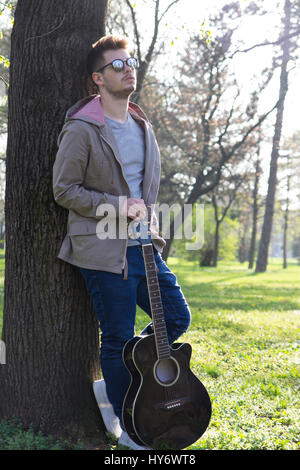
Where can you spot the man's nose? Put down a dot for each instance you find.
(127, 67)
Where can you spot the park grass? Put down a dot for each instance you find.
(245, 339)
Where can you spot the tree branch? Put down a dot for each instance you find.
(167, 9)
(136, 31)
(155, 33)
(268, 43)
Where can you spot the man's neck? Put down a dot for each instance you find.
(115, 108)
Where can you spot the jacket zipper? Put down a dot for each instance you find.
(124, 253)
(117, 161)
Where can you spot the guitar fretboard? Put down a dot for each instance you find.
(158, 318)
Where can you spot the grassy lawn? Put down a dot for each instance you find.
(245, 339)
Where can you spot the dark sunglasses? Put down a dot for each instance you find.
(119, 64)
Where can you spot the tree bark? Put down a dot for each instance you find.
(262, 259)
(49, 327)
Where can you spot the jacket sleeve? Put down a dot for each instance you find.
(68, 175)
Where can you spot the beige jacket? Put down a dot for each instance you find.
(87, 174)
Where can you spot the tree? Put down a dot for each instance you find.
(223, 197)
(255, 209)
(286, 220)
(289, 166)
(262, 258)
(228, 238)
(49, 328)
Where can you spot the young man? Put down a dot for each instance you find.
(108, 158)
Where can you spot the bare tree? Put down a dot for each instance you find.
(255, 209)
(286, 46)
(289, 159)
(286, 219)
(223, 197)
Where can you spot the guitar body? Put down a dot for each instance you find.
(166, 405)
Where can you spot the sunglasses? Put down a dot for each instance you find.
(119, 64)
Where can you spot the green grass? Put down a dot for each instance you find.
(245, 339)
(14, 437)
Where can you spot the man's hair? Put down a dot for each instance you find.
(106, 43)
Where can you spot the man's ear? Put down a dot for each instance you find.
(92, 88)
(97, 78)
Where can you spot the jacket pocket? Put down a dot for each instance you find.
(88, 249)
(82, 228)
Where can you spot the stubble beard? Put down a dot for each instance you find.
(122, 94)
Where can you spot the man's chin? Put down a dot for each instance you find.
(129, 89)
(125, 93)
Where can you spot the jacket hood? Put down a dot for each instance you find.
(89, 109)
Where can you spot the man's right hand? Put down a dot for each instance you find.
(134, 208)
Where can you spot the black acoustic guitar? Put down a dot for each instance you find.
(166, 405)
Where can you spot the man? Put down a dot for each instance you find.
(108, 159)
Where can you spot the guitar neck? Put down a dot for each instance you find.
(158, 318)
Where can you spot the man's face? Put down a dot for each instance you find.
(120, 84)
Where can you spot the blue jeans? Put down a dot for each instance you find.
(115, 301)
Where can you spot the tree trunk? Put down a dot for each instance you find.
(262, 259)
(216, 244)
(254, 214)
(169, 240)
(286, 224)
(216, 235)
(49, 328)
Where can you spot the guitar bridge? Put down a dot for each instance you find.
(172, 404)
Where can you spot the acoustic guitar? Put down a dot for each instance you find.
(166, 405)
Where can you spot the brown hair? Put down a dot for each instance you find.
(106, 43)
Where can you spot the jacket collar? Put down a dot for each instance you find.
(90, 109)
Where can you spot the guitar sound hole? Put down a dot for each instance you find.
(166, 371)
